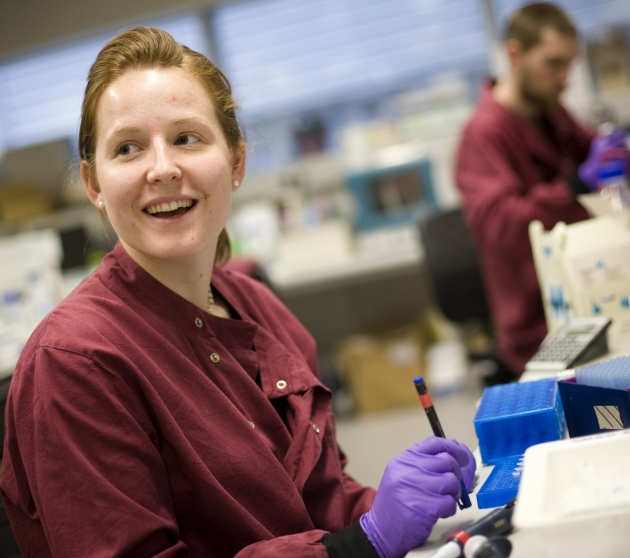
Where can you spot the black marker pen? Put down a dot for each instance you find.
(427, 403)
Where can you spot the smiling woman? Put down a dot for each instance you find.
(165, 173)
(168, 407)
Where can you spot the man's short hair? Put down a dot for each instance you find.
(527, 23)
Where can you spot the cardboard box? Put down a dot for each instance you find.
(379, 369)
(19, 203)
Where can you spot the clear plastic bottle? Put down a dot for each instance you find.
(613, 183)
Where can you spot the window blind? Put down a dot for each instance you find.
(41, 93)
(290, 54)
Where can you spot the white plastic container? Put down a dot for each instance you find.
(30, 286)
(574, 498)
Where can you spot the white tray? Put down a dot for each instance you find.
(574, 497)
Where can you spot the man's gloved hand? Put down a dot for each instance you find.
(604, 148)
(418, 486)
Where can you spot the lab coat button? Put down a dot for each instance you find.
(281, 384)
(215, 358)
(198, 322)
(316, 428)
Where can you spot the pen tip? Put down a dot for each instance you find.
(418, 380)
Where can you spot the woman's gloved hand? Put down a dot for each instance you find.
(418, 486)
(604, 148)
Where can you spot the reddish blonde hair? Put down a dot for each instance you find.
(148, 47)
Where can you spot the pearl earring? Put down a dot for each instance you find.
(236, 184)
(100, 203)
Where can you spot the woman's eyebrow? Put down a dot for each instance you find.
(130, 130)
(124, 131)
(189, 120)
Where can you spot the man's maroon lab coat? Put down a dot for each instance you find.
(510, 173)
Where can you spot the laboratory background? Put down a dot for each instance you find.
(352, 111)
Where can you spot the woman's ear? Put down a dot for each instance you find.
(238, 165)
(92, 190)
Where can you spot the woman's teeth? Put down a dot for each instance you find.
(168, 207)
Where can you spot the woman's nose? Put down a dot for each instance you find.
(164, 168)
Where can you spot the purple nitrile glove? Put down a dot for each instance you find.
(609, 146)
(418, 486)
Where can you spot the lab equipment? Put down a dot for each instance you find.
(450, 549)
(414, 491)
(30, 286)
(612, 181)
(584, 271)
(393, 194)
(613, 373)
(580, 340)
(574, 498)
(427, 404)
(483, 547)
(501, 486)
(497, 522)
(511, 417)
(595, 399)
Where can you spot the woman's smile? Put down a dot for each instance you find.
(170, 209)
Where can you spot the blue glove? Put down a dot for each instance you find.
(418, 486)
(604, 148)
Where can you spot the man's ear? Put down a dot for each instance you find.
(89, 181)
(514, 52)
(238, 165)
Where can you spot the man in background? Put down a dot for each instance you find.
(518, 160)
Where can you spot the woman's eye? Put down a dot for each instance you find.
(126, 149)
(186, 139)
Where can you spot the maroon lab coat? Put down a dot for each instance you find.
(139, 425)
(510, 173)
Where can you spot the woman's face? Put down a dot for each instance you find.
(163, 170)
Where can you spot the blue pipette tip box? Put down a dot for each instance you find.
(502, 483)
(511, 417)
